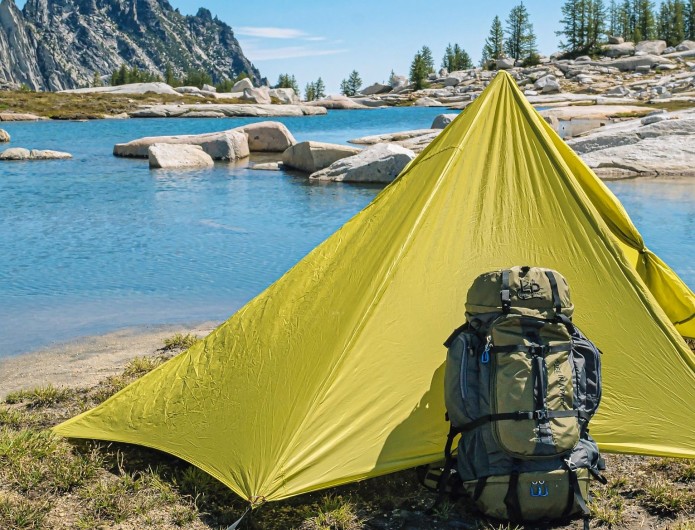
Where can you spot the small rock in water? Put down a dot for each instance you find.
(266, 166)
(178, 156)
(441, 121)
(20, 153)
(4, 136)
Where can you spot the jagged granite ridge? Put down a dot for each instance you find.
(59, 44)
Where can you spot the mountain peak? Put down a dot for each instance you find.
(61, 44)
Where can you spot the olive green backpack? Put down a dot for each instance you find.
(521, 384)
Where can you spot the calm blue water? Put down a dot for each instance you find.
(99, 243)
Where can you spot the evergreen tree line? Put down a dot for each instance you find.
(194, 77)
(587, 23)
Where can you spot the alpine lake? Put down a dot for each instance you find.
(98, 243)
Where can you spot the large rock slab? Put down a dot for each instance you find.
(595, 112)
(618, 50)
(685, 46)
(242, 85)
(133, 88)
(226, 145)
(20, 153)
(4, 136)
(504, 63)
(178, 156)
(259, 95)
(379, 163)
(652, 47)
(391, 137)
(311, 157)
(547, 84)
(18, 116)
(337, 103)
(427, 102)
(634, 63)
(286, 96)
(268, 136)
(376, 88)
(655, 156)
(230, 110)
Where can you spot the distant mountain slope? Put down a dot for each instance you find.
(59, 44)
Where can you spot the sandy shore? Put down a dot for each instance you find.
(87, 360)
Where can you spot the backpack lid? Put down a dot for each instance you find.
(522, 290)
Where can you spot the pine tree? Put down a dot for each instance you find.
(689, 19)
(614, 19)
(494, 44)
(671, 22)
(169, 77)
(320, 88)
(96, 80)
(456, 58)
(572, 25)
(310, 92)
(288, 81)
(351, 86)
(521, 40)
(427, 57)
(419, 70)
(645, 27)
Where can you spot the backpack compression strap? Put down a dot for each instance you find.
(557, 303)
(521, 415)
(504, 293)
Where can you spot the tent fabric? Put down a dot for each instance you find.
(335, 372)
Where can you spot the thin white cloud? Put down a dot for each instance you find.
(288, 52)
(314, 39)
(271, 33)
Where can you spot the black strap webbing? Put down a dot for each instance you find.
(538, 350)
(530, 415)
(511, 499)
(504, 293)
(479, 487)
(574, 484)
(448, 466)
(556, 293)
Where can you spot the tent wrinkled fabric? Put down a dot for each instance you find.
(335, 372)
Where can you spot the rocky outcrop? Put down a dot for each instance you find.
(268, 137)
(380, 163)
(60, 44)
(226, 145)
(441, 121)
(311, 157)
(618, 50)
(4, 136)
(16, 116)
(661, 146)
(20, 153)
(259, 96)
(286, 96)
(376, 88)
(229, 110)
(652, 47)
(337, 103)
(179, 156)
(134, 88)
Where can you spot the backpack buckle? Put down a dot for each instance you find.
(540, 415)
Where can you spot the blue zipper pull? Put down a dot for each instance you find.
(485, 357)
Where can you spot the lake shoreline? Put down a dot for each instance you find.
(85, 361)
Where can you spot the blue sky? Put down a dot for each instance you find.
(329, 39)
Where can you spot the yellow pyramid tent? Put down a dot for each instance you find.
(334, 373)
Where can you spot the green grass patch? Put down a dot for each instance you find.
(40, 396)
(18, 513)
(667, 499)
(180, 342)
(333, 513)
